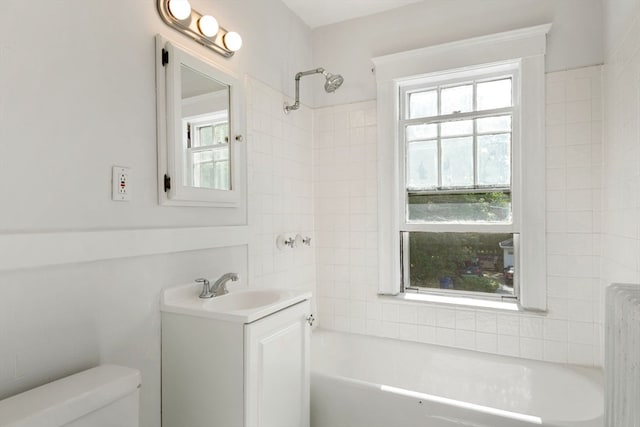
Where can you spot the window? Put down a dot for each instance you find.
(457, 143)
(461, 165)
(207, 152)
(456, 132)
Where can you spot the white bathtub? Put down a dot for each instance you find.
(361, 381)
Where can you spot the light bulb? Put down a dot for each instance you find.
(232, 41)
(208, 25)
(180, 9)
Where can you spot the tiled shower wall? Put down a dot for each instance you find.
(621, 202)
(345, 196)
(280, 202)
(346, 230)
(574, 195)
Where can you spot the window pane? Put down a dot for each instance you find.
(457, 128)
(211, 169)
(495, 94)
(423, 104)
(221, 176)
(203, 168)
(494, 159)
(457, 162)
(491, 207)
(202, 157)
(472, 262)
(457, 99)
(205, 136)
(422, 165)
(220, 154)
(221, 134)
(416, 132)
(210, 134)
(494, 124)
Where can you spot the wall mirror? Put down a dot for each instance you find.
(200, 148)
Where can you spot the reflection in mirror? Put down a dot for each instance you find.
(205, 131)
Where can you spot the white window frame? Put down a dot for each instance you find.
(525, 46)
(451, 79)
(483, 73)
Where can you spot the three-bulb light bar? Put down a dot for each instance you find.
(202, 28)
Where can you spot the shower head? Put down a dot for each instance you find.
(334, 81)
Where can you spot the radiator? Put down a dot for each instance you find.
(622, 355)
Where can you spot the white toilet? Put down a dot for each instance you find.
(105, 396)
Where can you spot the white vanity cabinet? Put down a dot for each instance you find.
(277, 369)
(227, 373)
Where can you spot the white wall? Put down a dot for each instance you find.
(621, 176)
(346, 228)
(619, 18)
(78, 96)
(77, 81)
(347, 48)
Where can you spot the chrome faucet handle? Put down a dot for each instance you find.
(206, 290)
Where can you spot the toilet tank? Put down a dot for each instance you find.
(105, 396)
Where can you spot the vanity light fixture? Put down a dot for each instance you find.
(208, 25)
(233, 41)
(204, 29)
(179, 9)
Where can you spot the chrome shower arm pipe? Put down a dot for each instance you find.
(333, 82)
(296, 104)
(299, 75)
(308, 73)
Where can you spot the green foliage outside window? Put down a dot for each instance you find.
(460, 261)
(486, 207)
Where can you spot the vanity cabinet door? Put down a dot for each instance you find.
(277, 369)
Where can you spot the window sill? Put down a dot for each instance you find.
(459, 301)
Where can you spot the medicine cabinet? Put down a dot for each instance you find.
(201, 153)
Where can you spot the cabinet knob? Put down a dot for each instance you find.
(239, 138)
(311, 319)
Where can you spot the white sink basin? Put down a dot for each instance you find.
(243, 306)
(243, 300)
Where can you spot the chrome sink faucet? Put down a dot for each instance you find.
(219, 286)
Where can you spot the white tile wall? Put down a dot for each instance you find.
(573, 209)
(621, 201)
(620, 261)
(279, 151)
(346, 223)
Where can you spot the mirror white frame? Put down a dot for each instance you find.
(172, 190)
